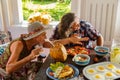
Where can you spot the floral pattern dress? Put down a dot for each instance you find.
(24, 72)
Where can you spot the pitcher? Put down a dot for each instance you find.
(115, 53)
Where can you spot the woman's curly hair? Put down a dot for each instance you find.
(64, 24)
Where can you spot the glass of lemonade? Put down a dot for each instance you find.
(115, 53)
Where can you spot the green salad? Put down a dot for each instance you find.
(56, 68)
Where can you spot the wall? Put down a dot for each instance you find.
(16, 31)
(117, 28)
(102, 14)
(22, 29)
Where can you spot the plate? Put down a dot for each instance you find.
(103, 64)
(76, 72)
(77, 50)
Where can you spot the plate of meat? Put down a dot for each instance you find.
(77, 50)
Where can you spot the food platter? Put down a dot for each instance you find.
(77, 50)
(102, 71)
(76, 73)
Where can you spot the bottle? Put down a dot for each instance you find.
(41, 57)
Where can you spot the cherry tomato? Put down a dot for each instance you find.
(95, 59)
(51, 73)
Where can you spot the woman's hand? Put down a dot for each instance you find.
(48, 44)
(35, 52)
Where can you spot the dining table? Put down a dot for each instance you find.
(41, 74)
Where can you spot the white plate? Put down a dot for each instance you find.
(104, 64)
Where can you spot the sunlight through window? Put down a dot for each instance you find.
(54, 8)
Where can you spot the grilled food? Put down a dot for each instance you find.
(77, 50)
(67, 71)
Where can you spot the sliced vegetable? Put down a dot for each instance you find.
(54, 67)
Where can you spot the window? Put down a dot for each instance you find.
(56, 8)
(11, 12)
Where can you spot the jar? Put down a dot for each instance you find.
(115, 53)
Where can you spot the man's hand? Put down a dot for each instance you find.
(75, 40)
(84, 39)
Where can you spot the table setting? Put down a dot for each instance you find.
(92, 65)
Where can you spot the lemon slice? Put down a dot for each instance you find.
(117, 58)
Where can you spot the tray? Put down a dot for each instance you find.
(107, 68)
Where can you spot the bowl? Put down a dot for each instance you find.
(101, 50)
(81, 59)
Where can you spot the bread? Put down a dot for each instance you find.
(58, 52)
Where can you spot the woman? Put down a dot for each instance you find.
(17, 57)
(70, 25)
